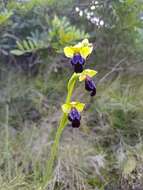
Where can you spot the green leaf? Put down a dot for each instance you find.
(4, 16)
(20, 46)
(31, 44)
(17, 52)
(25, 45)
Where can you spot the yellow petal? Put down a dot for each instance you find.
(69, 51)
(87, 72)
(85, 51)
(80, 106)
(82, 77)
(66, 108)
(77, 48)
(90, 72)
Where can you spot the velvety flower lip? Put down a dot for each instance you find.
(78, 68)
(77, 59)
(75, 117)
(77, 62)
(90, 86)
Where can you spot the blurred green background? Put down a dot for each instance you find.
(106, 153)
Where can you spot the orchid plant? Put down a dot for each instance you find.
(72, 110)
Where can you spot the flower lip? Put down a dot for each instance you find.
(75, 117)
(90, 86)
(76, 124)
(77, 59)
(78, 68)
(77, 62)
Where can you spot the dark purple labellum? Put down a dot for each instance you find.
(78, 68)
(75, 117)
(77, 62)
(77, 59)
(90, 86)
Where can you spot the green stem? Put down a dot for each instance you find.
(63, 122)
(71, 85)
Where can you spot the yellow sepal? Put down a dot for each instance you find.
(84, 48)
(69, 51)
(85, 51)
(87, 72)
(68, 106)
